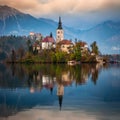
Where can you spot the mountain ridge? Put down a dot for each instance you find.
(6, 11)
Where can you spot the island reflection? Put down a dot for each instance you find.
(36, 78)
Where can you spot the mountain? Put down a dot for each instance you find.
(15, 22)
(102, 31)
(106, 34)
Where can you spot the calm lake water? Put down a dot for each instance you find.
(60, 92)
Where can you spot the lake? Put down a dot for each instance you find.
(60, 92)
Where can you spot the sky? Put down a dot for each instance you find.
(77, 13)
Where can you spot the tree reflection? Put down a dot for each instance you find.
(47, 76)
(13, 69)
(95, 69)
(40, 76)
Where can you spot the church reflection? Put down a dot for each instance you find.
(60, 93)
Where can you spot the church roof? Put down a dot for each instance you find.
(65, 42)
(48, 39)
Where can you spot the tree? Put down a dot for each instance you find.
(77, 52)
(35, 52)
(13, 56)
(21, 52)
(51, 34)
(29, 44)
(75, 40)
(60, 56)
(94, 48)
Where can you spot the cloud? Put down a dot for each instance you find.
(19, 4)
(46, 7)
(80, 13)
(115, 48)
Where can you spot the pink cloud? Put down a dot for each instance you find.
(46, 7)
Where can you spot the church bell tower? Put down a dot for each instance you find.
(59, 32)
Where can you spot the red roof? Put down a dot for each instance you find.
(48, 39)
(68, 42)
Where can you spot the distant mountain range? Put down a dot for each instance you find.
(107, 34)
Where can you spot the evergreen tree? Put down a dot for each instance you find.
(13, 56)
(94, 48)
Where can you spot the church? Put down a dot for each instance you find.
(48, 42)
(59, 32)
(63, 44)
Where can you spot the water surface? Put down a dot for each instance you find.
(44, 92)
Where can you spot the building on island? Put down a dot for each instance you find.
(48, 42)
(36, 39)
(36, 46)
(60, 43)
(83, 46)
(65, 45)
(59, 32)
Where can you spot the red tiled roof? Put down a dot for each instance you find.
(48, 39)
(68, 42)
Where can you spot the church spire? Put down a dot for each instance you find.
(60, 23)
(59, 32)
